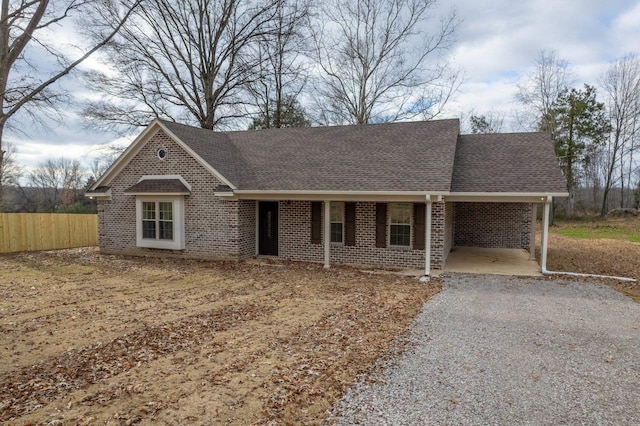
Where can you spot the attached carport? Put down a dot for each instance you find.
(495, 233)
(498, 182)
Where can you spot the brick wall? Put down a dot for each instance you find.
(295, 239)
(212, 225)
(492, 225)
(247, 216)
(448, 229)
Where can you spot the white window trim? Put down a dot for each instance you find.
(341, 222)
(407, 247)
(178, 223)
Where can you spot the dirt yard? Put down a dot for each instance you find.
(93, 339)
(606, 256)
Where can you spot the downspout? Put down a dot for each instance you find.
(427, 241)
(545, 234)
(543, 251)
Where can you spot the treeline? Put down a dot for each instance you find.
(595, 129)
(231, 64)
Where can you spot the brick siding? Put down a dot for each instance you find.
(295, 239)
(448, 229)
(212, 225)
(492, 225)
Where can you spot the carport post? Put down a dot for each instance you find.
(545, 234)
(427, 239)
(532, 237)
(327, 233)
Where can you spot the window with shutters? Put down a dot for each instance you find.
(400, 224)
(337, 222)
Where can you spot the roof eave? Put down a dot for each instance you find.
(328, 195)
(524, 197)
(157, 194)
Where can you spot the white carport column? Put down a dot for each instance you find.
(532, 236)
(327, 233)
(427, 238)
(545, 234)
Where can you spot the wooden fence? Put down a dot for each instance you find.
(46, 231)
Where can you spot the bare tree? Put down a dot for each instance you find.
(10, 171)
(107, 155)
(58, 181)
(376, 64)
(538, 90)
(621, 83)
(23, 25)
(183, 60)
(283, 70)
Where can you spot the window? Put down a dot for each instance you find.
(160, 222)
(162, 153)
(400, 225)
(337, 222)
(157, 220)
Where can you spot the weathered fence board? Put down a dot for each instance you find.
(46, 231)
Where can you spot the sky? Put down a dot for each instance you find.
(496, 44)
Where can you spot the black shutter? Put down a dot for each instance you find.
(350, 224)
(316, 222)
(419, 226)
(381, 225)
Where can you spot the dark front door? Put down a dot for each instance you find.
(268, 228)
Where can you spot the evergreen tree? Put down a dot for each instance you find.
(291, 115)
(578, 126)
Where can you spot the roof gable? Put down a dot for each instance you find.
(135, 147)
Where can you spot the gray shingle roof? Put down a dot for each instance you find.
(415, 156)
(507, 162)
(98, 190)
(158, 186)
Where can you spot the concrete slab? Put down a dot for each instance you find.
(498, 261)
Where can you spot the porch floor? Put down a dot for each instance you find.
(498, 261)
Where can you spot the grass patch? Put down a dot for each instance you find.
(624, 229)
(596, 233)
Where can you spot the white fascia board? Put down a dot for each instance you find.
(225, 195)
(199, 159)
(158, 194)
(100, 195)
(514, 197)
(381, 196)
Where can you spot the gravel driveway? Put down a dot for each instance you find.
(505, 350)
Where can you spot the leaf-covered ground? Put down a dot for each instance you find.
(94, 339)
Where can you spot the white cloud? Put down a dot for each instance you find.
(498, 41)
(496, 44)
